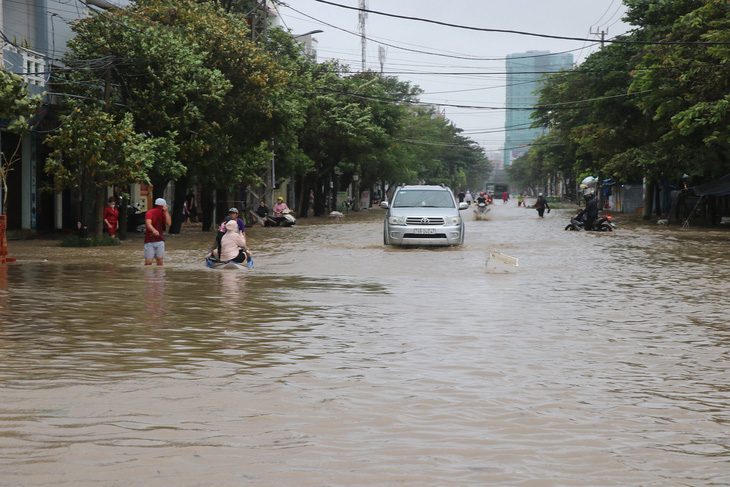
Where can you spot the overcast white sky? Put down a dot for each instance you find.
(481, 82)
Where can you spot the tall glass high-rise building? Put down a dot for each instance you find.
(524, 72)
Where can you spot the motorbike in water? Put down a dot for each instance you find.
(481, 211)
(287, 220)
(601, 224)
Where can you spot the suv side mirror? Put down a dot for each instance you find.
(463, 205)
(384, 205)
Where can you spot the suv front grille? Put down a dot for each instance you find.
(418, 220)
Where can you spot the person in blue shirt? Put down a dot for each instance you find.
(233, 213)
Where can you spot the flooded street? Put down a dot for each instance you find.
(603, 361)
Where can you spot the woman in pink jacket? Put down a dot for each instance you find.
(233, 244)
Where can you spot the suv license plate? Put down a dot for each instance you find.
(425, 231)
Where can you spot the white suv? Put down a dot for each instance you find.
(423, 215)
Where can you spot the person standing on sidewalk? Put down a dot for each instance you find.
(154, 225)
(111, 217)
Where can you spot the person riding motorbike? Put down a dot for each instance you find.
(589, 214)
(279, 209)
(482, 199)
(232, 245)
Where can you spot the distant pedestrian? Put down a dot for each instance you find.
(468, 198)
(541, 204)
(461, 196)
(521, 199)
(191, 210)
(111, 217)
(154, 224)
(505, 197)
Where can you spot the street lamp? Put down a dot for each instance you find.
(308, 43)
(311, 32)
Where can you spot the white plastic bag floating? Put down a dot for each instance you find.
(499, 263)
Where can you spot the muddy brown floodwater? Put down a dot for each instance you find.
(603, 361)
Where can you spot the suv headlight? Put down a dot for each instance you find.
(397, 220)
(452, 221)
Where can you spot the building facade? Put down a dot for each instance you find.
(33, 42)
(524, 72)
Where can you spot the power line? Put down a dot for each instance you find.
(551, 106)
(418, 51)
(598, 22)
(407, 49)
(509, 31)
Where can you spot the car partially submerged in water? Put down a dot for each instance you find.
(423, 215)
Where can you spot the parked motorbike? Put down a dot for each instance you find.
(287, 221)
(601, 224)
(135, 219)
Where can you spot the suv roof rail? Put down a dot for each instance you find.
(443, 185)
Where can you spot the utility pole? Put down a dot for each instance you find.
(259, 20)
(362, 21)
(603, 36)
(599, 184)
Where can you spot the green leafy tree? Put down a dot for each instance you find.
(16, 107)
(92, 151)
(546, 160)
(686, 92)
(184, 68)
(339, 130)
(670, 118)
(589, 112)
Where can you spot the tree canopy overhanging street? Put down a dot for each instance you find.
(189, 75)
(206, 94)
(653, 106)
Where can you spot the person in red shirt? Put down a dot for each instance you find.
(154, 225)
(111, 217)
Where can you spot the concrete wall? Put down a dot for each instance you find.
(628, 198)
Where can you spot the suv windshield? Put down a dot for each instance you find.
(423, 199)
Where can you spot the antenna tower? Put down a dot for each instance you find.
(363, 17)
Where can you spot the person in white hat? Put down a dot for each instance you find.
(154, 225)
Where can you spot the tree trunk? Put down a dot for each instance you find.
(207, 206)
(98, 212)
(158, 190)
(221, 205)
(320, 191)
(356, 194)
(122, 205)
(335, 190)
(83, 215)
(304, 187)
(181, 190)
(648, 200)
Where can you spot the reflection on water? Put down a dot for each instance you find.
(602, 361)
(156, 305)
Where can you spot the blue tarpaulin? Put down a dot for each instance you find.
(718, 187)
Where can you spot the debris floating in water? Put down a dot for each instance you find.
(499, 263)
